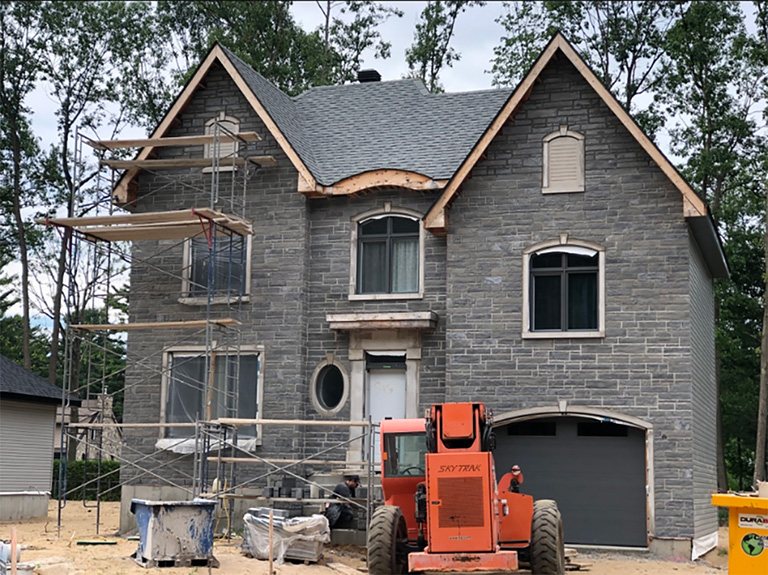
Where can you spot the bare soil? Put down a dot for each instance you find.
(59, 554)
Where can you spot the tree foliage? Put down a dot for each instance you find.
(623, 42)
(431, 50)
(347, 35)
(263, 34)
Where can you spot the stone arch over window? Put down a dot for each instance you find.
(563, 162)
(564, 289)
(222, 124)
(387, 254)
(329, 386)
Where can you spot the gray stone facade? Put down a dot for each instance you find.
(653, 365)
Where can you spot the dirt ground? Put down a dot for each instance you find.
(52, 555)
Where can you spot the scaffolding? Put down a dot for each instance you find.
(215, 235)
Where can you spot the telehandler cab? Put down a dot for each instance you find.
(443, 511)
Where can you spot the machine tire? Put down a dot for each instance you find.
(547, 551)
(386, 533)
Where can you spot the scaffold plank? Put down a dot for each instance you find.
(154, 226)
(172, 163)
(171, 141)
(226, 322)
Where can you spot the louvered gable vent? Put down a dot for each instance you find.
(563, 162)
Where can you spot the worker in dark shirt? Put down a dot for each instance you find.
(340, 514)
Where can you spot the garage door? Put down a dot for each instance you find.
(594, 470)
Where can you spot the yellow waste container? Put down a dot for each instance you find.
(747, 533)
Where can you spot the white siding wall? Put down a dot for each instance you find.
(26, 446)
(704, 396)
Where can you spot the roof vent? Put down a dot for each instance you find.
(368, 76)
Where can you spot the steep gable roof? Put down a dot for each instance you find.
(436, 219)
(343, 139)
(19, 383)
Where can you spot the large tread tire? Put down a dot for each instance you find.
(547, 551)
(386, 530)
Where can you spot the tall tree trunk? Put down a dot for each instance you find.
(21, 236)
(761, 473)
(722, 472)
(57, 299)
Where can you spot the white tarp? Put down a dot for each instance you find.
(297, 538)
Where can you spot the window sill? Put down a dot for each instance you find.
(218, 300)
(384, 296)
(568, 190)
(186, 445)
(563, 334)
(222, 168)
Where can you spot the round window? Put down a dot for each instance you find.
(329, 387)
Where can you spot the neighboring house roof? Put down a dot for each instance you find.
(23, 385)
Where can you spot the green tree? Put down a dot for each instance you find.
(431, 49)
(263, 34)
(103, 62)
(711, 86)
(345, 39)
(761, 447)
(22, 43)
(623, 42)
(11, 344)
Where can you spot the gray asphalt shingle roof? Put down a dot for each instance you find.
(341, 131)
(19, 382)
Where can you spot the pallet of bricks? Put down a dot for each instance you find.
(296, 538)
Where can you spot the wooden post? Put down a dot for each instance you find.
(271, 535)
(14, 545)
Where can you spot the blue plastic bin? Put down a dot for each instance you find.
(174, 532)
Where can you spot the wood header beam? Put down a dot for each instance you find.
(373, 180)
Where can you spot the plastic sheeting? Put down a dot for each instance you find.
(296, 538)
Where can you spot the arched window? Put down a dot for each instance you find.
(387, 254)
(564, 289)
(563, 162)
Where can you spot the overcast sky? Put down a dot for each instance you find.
(475, 35)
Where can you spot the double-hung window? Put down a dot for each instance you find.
(192, 394)
(565, 291)
(388, 259)
(219, 270)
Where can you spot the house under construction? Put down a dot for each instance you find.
(303, 267)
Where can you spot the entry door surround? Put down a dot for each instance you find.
(393, 342)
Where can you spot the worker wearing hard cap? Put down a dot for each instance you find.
(511, 481)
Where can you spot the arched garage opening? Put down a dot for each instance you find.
(592, 464)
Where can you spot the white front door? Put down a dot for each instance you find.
(385, 398)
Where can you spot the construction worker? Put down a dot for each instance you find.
(511, 481)
(340, 514)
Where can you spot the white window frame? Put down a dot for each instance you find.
(231, 148)
(222, 299)
(316, 403)
(199, 351)
(576, 184)
(387, 211)
(564, 244)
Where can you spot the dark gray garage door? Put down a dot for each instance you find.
(594, 470)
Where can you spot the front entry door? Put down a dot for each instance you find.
(385, 397)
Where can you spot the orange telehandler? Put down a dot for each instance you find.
(442, 509)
